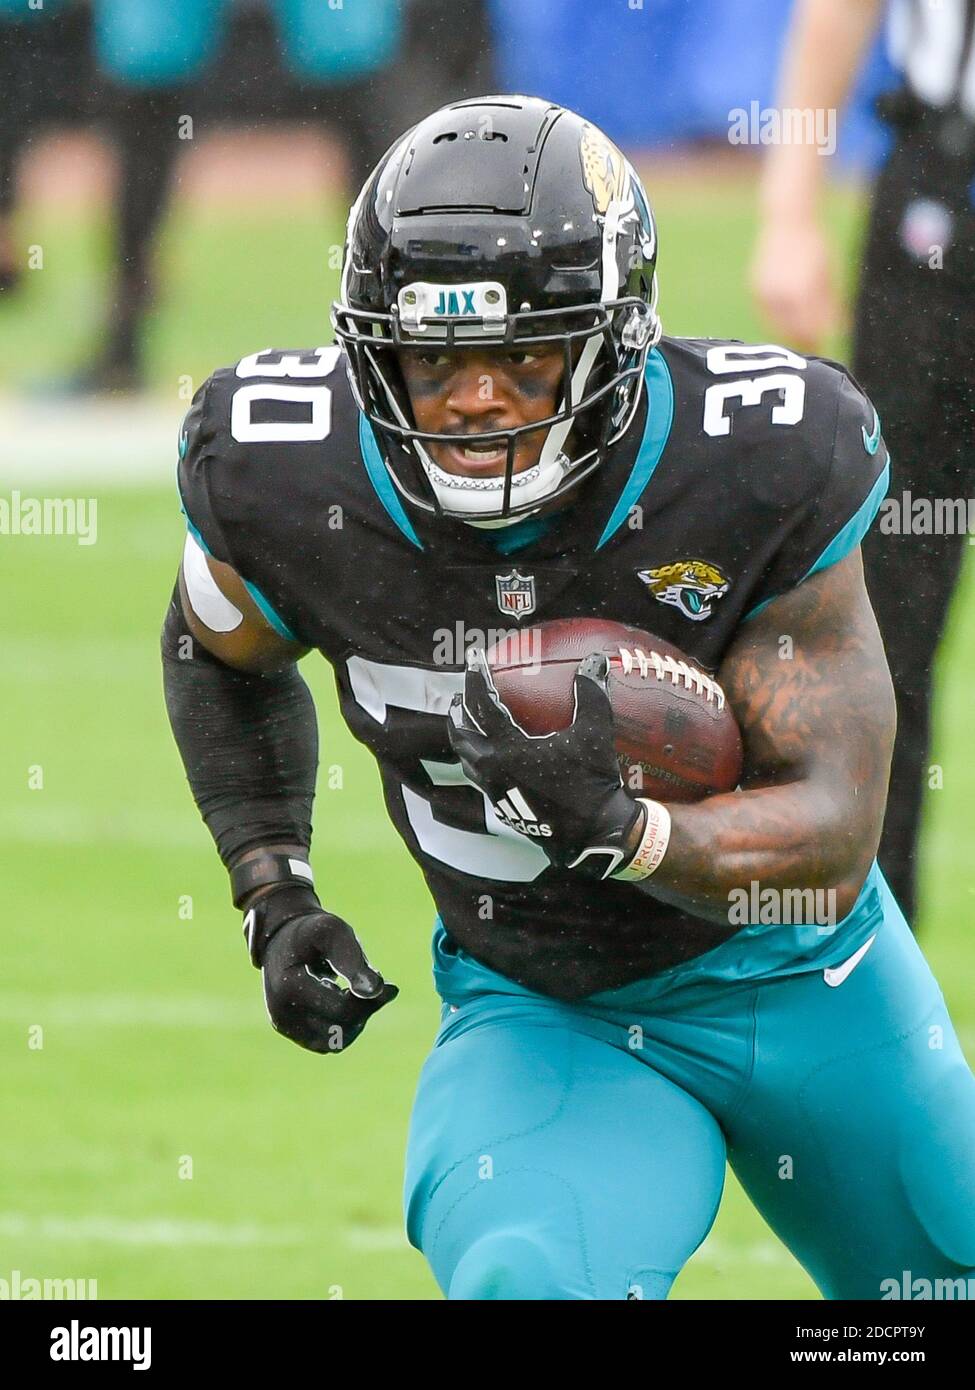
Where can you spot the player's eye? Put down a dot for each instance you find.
(438, 360)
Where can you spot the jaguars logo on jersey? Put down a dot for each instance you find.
(693, 586)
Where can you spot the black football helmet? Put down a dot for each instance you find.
(502, 222)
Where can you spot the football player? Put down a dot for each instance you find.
(502, 435)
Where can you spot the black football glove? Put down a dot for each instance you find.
(300, 949)
(562, 790)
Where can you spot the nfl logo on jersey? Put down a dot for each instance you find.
(516, 593)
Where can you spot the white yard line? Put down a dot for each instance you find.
(129, 1011)
(65, 824)
(124, 440)
(376, 1239)
(171, 1231)
(179, 1232)
(719, 1253)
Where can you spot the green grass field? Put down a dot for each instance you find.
(156, 1051)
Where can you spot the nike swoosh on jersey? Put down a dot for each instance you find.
(835, 975)
(871, 442)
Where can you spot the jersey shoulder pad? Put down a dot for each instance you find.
(790, 428)
(846, 455)
(763, 410)
(793, 441)
(858, 465)
(250, 446)
(196, 435)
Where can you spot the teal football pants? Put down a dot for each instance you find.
(562, 1151)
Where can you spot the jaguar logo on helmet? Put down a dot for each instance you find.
(604, 170)
(505, 220)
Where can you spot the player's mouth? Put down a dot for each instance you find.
(488, 459)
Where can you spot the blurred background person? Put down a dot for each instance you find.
(140, 68)
(45, 78)
(212, 60)
(914, 322)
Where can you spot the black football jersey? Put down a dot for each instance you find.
(746, 469)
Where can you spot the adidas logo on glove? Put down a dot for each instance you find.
(515, 811)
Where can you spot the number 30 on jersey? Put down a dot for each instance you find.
(752, 390)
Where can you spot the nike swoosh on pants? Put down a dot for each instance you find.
(835, 975)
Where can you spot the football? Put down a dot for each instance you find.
(676, 736)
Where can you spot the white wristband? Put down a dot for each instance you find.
(653, 845)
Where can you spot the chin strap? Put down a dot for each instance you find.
(499, 521)
(535, 484)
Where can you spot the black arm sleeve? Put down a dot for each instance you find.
(249, 743)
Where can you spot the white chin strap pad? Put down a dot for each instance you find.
(474, 496)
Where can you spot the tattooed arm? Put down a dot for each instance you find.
(818, 730)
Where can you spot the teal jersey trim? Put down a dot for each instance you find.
(196, 535)
(756, 953)
(382, 483)
(518, 536)
(272, 617)
(764, 952)
(656, 432)
(845, 540)
(857, 527)
(276, 621)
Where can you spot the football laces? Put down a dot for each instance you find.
(679, 672)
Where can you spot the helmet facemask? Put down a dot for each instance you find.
(604, 350)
